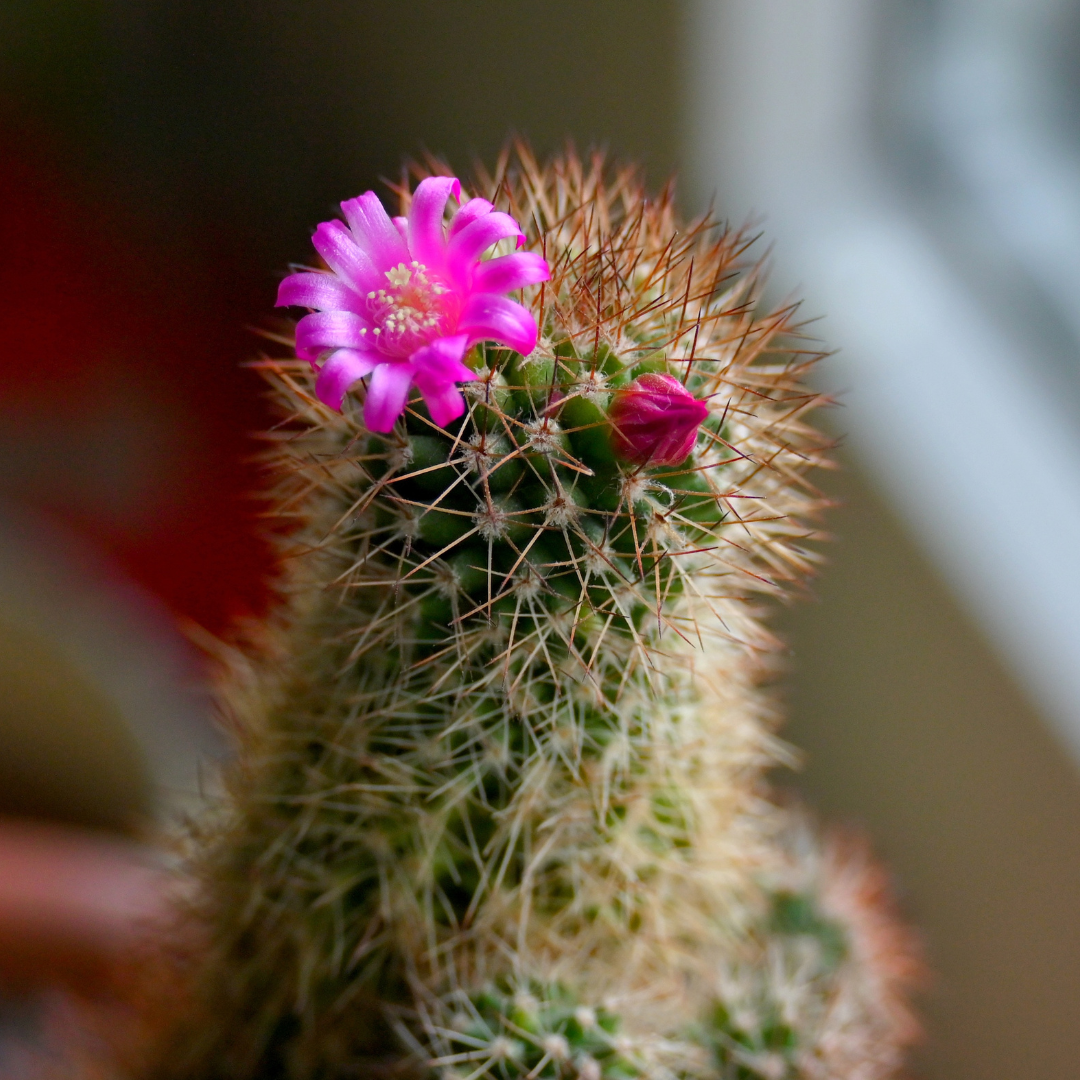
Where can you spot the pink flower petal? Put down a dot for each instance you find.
(441, 362)
(467, 214)
(340, 372)
(321, 291)
(426, 241)
(387, 393)
(469, 244)
(510, 272)
(330, 330)
(374, 231)
(487, 317)
(336, 245)
(436, 368)
(402, 226)
(445, 403)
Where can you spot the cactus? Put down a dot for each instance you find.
(499, 808)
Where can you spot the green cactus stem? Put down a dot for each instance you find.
(498, 809)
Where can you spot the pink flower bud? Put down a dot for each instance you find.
(655, 420)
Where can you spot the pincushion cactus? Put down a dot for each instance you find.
(499, 807)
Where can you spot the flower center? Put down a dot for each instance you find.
(412, 311)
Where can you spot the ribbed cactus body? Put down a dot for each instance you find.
(498, 808)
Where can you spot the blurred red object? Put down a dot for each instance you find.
(124, 408)
(73, 906)
(83, 974)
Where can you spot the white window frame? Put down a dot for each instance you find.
(944, 399)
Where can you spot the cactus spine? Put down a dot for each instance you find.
(499, 809)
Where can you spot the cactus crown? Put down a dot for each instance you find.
(498, 808)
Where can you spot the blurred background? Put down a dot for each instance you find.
(916, 164)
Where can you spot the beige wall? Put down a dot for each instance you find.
(910, 727)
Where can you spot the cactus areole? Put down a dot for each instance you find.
(498, 808)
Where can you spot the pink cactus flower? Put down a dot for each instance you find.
(406, 298)
(655, 420)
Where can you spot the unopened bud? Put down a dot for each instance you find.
(655, 420)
